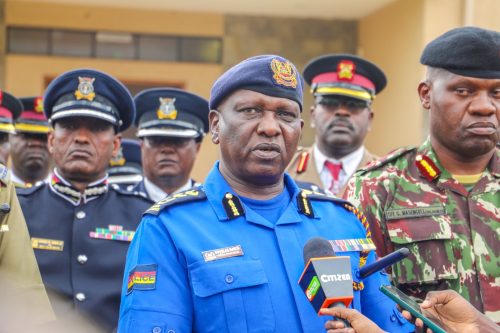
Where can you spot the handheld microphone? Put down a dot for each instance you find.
(326, 279)
(382, 263)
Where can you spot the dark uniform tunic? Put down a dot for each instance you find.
(68, 236)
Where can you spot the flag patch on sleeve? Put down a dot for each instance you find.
(142, 277)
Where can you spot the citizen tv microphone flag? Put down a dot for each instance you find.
(326, 279)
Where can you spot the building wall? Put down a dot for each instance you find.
(28, 75)
(392, 39)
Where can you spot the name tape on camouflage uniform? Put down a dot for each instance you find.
(47, 244)
(346, 245)
(114, 232)
(222, 253)
(401, 213)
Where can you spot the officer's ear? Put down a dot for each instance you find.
(424, 92)
(117, 142)
(50, 141)
(213, 120)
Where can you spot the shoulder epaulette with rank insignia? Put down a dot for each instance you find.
(375, 164)
(193, 194)
(25, 191)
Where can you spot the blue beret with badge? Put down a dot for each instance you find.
(270, 75)
(344, 75)
(465, 51)
(10, 109)
(171, 112)
(89, 93)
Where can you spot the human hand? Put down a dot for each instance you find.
(359, 323)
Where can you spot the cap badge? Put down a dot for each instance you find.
(1, 97)
(38, 105)
(167, 109)
(119, 159)
(284, 73)
(345, 70)
(85, 88)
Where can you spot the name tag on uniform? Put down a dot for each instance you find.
(4, 228)
(47, 244)
(222, 253)
(404, 213)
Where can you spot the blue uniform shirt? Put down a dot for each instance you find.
(175, 281)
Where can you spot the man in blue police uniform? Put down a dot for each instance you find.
(28, 145)
(125, 169)
(172, 123)
(227, 256)
(10, 109)
(80, 227)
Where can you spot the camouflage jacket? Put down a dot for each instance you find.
(453, 234)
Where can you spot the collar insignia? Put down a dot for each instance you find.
(85, 88)
(302, 164)
(119, 159)
(427, 167)
(304, 203)
(284, 73)
(38, 105)
(346, 69)
(232, 206)
(167, 109)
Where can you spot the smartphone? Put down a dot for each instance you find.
(407, 303)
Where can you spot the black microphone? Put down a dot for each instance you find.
(384, 262)
(326, 279)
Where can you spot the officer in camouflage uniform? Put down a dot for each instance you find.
(442, 199)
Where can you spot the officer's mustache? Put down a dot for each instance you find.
(340, 122)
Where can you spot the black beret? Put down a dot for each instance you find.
(466, 51)
(89, 93)
(171, 112)
(270, 75)
(344, 74)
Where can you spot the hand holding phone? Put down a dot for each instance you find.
(408, 304)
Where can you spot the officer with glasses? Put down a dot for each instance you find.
(344, 87)
(171, 125)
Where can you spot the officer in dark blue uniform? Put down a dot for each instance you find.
(227, 256)
(172, 123)
(125, 169)
(81, 227)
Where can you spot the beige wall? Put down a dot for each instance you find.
(27, 75)
(392, 38)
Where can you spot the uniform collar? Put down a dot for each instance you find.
(445, 179)
(217, 190)
(65, 190)
(156, 193)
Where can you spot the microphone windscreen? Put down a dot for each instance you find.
(317, 247)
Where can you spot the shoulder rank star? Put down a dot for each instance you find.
(284, 73)
(427, 167)
(85, 88)
(167, 109)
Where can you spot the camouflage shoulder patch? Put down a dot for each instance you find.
(194, 194)
(27, 191)
(395, 154)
